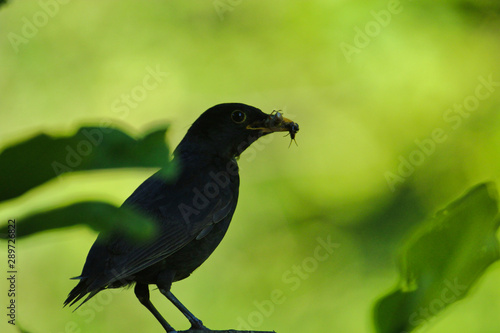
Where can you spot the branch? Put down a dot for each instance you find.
(225, 331)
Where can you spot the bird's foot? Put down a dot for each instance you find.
(170, 329)
(198, 325)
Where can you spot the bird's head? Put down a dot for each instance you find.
(228, 129)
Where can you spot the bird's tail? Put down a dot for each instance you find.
(82, 288)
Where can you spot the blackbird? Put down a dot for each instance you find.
(192, 211)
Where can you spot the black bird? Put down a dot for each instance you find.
(192, 212)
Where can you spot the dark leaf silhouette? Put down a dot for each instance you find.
(35, 161)
(100, 216)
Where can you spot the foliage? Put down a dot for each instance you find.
(30, 163)
(442, 261)
(100, 216)
(34, 161)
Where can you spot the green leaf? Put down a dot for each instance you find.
(31, 163)
(100, 216)
(442, 261)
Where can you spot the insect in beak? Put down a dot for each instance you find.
(277, 119)
(293, 128)
(275, 122)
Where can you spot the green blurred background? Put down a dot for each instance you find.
(368, 82)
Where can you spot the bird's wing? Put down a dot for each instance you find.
(180, 220)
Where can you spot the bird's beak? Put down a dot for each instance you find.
(275, 122)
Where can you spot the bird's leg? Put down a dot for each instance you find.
(164, 283)
(196, 324)
(142, 293)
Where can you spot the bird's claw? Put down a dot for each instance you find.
(199, 326)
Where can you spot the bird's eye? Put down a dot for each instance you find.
(238, 116)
